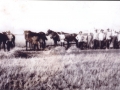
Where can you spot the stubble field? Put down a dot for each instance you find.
(59, 69)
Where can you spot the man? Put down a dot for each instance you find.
(108, 38)
(101, 39)
(114, 39)
(9, 35)
(95, 39)
(9, 41)
(62, 38)
(80, 38)
(118, 37)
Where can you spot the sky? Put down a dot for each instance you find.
(67, 16)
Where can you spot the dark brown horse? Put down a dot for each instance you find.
(42, 38)
(54, 36)
(31, 39)
(3, 39)
(34, 39)
(8, 41)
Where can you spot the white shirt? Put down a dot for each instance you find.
(95, 36)
(101, 36)
(10, 36)
(62, 37)
(79, 37)
(114, 33)
(108, 35)
(118, 36)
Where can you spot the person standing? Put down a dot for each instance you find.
(62, 38)
(108, 38)
(95, 39)
(118, 38)
(101, 39)
(80, 38)
(114, 39)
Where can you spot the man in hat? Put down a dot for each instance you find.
(114, 39)
(80, 38)
(9, 35)
(118, 37)
(108, 38)
(95, 39)
(101, 37)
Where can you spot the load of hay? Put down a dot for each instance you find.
(58, 50)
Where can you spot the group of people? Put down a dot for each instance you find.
(99, 39)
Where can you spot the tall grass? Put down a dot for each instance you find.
(60, 69)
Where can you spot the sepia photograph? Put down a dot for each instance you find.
(59, 45)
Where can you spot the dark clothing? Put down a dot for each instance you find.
(80, 45)
(96, 43)
(101, 43)
(119, 44)
(108, 41)
(114, 41)
(62, 44)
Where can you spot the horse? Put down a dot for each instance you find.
(42, 38)
(9, 40)
(32, 38)
(3, 39)
(69, 38)
(53, 36)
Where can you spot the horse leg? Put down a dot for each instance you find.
(0, 45)
(4, 46)
(13, 43)
(44, 44)
(67, 44)
(8, 46)
(41, 45)
(119, 44)
(34, 46)
(55, 43)
(76, 42)
(26, 45)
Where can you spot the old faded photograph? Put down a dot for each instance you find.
(59, 45)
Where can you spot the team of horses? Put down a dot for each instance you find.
(37, 40)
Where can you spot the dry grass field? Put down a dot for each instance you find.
(59, 69)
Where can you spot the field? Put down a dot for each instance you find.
(59, 69)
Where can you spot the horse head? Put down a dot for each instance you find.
(49, 32)
(42, 35)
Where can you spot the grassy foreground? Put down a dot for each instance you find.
(58, 69)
